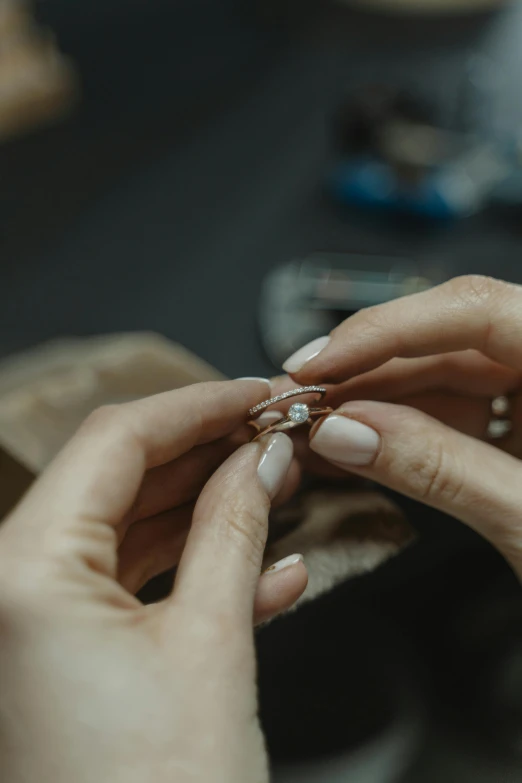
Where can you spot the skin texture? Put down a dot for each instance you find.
(97, 687)
(421, 372)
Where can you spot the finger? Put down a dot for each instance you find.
(181, 481)
(471, 416)
(290, 485)
(412, 453)
(462, 372)
(312, 463)
(176, 483)
(222, 559)
(466, 313)
(94, 480)
(279, 588)
(153, 546)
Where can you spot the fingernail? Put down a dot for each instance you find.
(268, 417)
(275, 462)
(261, 380)
(286, 562)
(298, 359)
(346, 441)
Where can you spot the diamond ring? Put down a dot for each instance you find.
(298, 413)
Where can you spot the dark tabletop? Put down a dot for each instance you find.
(195, 165)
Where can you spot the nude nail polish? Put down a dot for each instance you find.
(286, 562)
(261, 380)
(268, 417)
(346, 441)
(298, 359)
(275, 462)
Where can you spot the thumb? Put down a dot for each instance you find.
(221, 563)
(412, 453)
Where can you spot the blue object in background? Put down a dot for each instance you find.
(372, 183)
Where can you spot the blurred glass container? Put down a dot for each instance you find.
(308, 297)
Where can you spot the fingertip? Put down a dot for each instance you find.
(279, 587)
(346, 441)
(274, 463)
(286, 562)
(297, 361)
(265, 381)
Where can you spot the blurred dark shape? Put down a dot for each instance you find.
(394, 154)
(488, 658)
(359, 123)
(15, 480)
(355, 686)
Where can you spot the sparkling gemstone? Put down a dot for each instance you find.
(299, 412)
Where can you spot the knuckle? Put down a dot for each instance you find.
(247, 525)
(369, 325)
(374, 320)
(102, 418)
(113, 423)
(435, 476)
(90, 542)
(488, 302)
(477, 290)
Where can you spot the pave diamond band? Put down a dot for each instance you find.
(281, 397)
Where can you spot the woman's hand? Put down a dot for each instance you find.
(94, 685)
(440, 357)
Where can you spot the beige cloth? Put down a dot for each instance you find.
(38, 84)
(47, 392)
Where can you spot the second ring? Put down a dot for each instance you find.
(299, 412)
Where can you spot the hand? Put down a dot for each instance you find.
(97, 687)
(440, 357)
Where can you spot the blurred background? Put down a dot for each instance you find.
(238, 177)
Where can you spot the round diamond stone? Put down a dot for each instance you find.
(299, 412)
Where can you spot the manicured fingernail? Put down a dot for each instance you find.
(286, 562)
(275, 462)
(261, 380)
(295, 362)
(346, 441)
(268, 417)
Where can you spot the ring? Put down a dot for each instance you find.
(298, 413)
(500, 423)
